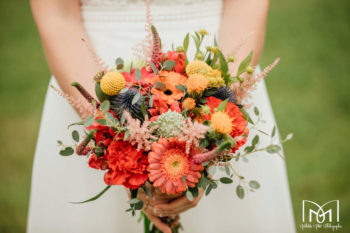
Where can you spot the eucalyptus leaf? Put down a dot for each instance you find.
(273, 133)
(194, 191)
(227, 170)
(169, 64)
(133, 201)
(212, 170)
(246, 116)
(76, 123)
(75, 136)
(182, 88)
(109, 117)
(101, 121)
(255, 140)
(154, 68)
(105, 105)
(89, 121)
(189, 195)
(273, 149)
(67, 151)
(240, 191)
(159, 86)
(119, 62)
(136, 98)
(256, 111)
(226, 180)
(138, 74)
(254, 184)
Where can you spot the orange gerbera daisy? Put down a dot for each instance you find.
(167, 89)
(168, 163)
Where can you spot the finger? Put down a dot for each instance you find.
(159, 224)
(173, 207)
(177, 206)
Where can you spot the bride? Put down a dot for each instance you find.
(113, 28)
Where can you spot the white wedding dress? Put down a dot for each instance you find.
(114, 27)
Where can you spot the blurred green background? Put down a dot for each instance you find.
(310, 93)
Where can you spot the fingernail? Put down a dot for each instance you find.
(156, 211)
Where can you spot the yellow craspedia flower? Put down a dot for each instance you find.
(112, 83)
(197, 83)
(189, 103)
(203, 32)
(197, 67)
(215, 79)
(221, 122)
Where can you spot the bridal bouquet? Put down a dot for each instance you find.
(167, 122)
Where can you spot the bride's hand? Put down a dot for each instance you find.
(163, 205)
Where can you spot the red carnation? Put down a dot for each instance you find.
(98, 163)
(126, 165)
(104, 134)
(240, 130)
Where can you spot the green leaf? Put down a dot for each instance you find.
(89, 121)
(169, 64)
(159, 86)
(147, 190)
(246, 116)
(138, 74)
(182, 88)
(273, 149)
(226, 180)
(249, 149)
(254, 184)
(215, 41)
(224, 67)
(186, 42)
(67, 151)
(222, 105)
(212, 170)
(126, 135)
(59, 142)
(125, 89)
(208, 190)
(204, 143)
(210, 92)
(151, 101)
(183, 178)
(101, 121)
(75, 136)
(109, 117)
(136, 98)
(240, 191)
(133, 201)
(273, 132)
(224, 146)
(256, 111)
(194, 191)
(105, 106)
(227, 170)
(203, 182)
(242, 67)
(95, 197)
(147, 224)
(76, 123)
(119, 62)
(154, 68)
(189, 195)
(143, 108)
(255, 140)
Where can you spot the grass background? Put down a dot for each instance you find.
(309, 92)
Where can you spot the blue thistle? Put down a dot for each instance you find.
(123, 101)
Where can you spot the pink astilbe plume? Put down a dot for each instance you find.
(100, 63)
(242, 90)
(242, 42)
(143, 50)
(83, 107)
(140, 134)
(192, 132)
